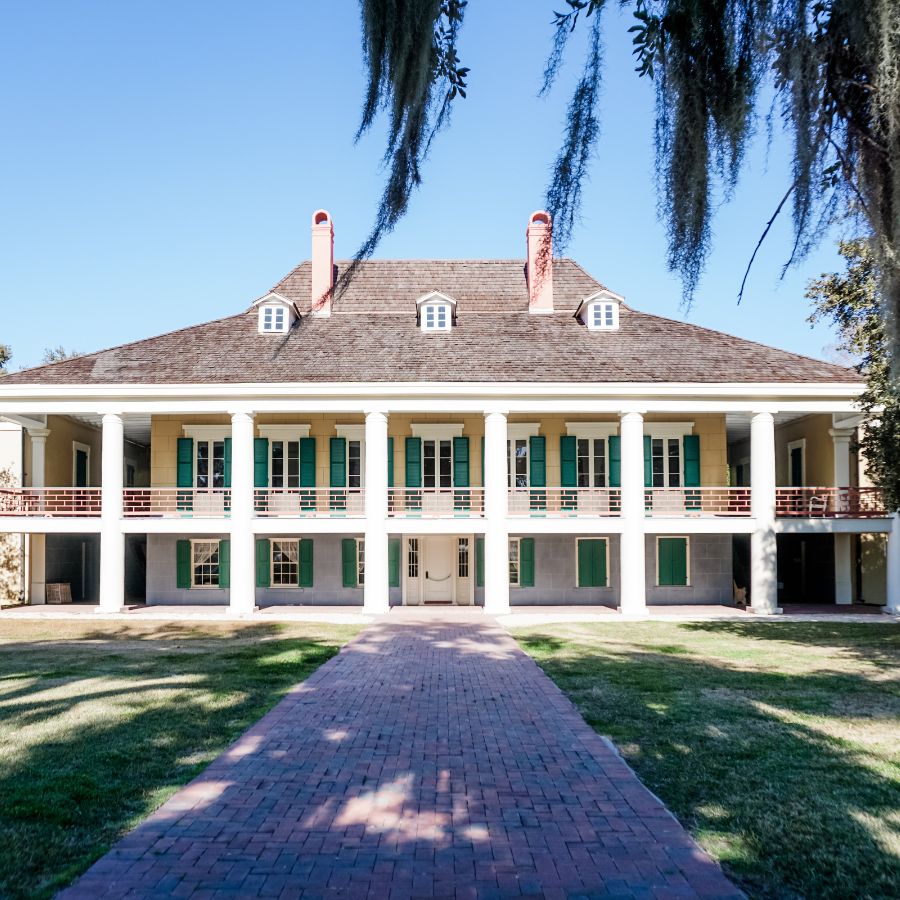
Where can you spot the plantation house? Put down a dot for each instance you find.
(496, 432)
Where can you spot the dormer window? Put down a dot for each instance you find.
(276, 314)
(600, 312)
(273, 318)
(436, 312)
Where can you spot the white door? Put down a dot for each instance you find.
(439, 585)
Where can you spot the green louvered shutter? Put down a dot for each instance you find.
(413, 462)
(263, 567)
(306, 563)
(348, 562)
(615, 461)
(598, 563)
(526, 562)
(224, 564)
(461, 473)
(185, 463)
(479, 562)
(648, 462)
(183, 565)
(338, 462)
(228, 462)
(585, 564)
(482, 461)
(537, 471)
(260, 462)
(307, 462)
(390, 462)
(672, 561)
(568, 467)
(691, 445)
(394, 562)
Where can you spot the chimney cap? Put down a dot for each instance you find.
(321, 217)
(539, 217)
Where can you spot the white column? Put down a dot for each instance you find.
(496, 505)
(632, 543)
(893, 568)
(242, 593)
(37, 582)
(763, 557)
(112, 538)
(376, 597)
(843, 544)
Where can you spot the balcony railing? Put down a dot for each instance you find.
(436, 503)
(309, 502)
(50, 502)
(829, 503)
(555, 502)
(170, 502)
(697, 502)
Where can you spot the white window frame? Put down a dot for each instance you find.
(518, 431)
(687, 561)
(283, 433)
(428, 432)
(283, 540)
(605, 540)
(274, 318)
(515, 542)
(665, 431)
(608, 310)
(360, 562)
(354, 433)
(799, 444)
(433, 310)
(200, 433)
(463, 553)
(591, 431)
(86, 449)
(413, 551)
(206, 587)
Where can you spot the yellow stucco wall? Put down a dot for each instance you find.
(165, 431)
(59, 454)
(819, 450)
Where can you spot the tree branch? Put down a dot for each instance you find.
(762, 237)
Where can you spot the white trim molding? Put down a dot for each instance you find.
(435, 432)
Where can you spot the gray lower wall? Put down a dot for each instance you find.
(709, 572)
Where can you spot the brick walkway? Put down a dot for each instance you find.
(428, 759)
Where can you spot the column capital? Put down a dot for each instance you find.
(376, 415)
(842, 434)
(38, 434)
(632, 415)
(239, 414)
(488, 413)
(113, 418)
(760, 413)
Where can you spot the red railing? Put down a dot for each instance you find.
(51, 502)
(310, 502)
(556, 502)
(828, 502)
(436, 503)
(697, 501)
(170, 502)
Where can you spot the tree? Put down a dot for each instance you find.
(58, 354)
(5, 356)
(853, 302)
(833, 65)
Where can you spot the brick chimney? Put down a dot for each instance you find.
(322, 278)
(539, 266)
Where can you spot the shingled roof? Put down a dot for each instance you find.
(372, 336)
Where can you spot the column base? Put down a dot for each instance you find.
(776, 611)
(241, 612)
(636, 611)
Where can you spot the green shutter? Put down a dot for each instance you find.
(537, 452)
(228, 462)
(479, 561)
(338, 462)
(263, 563)
(306, 563)
(598, 563)
(526, 562)
(460, 462)
(672, 561)
(308, 462)
(413, 462)
(394, 562)
(260, 462)
(348, 561)
(185, 463)
(183, 565)
(615, 461)
(648, 463)
(390, 462)
(691, 445)
(585, 564)
(482, 461)
(224, 564)
(568, 468)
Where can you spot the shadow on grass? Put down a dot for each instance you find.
(745, 758)
(113, 723)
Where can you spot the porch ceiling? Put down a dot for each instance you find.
(737, 425)
(137, 425)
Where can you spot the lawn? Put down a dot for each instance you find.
(100, 723)
(776, 744)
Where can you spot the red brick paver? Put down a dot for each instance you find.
(428, 759)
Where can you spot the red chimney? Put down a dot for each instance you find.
(539, 267)
(322, 279)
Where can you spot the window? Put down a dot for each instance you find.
(412, 560)
(436, 317)
(210, 464)
(517, 462)
(592, 562)
(603, 316)
(205, 563)
(463, 557)
(354, 465)
(672, 562)
(591, 462)
(514, 559)
(285, 563)
(437, 463)
(360, 561)
(665, 462)
(273, 319)
(285, 456)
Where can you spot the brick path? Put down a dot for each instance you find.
(428, 759)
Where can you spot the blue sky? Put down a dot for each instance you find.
(161, 163)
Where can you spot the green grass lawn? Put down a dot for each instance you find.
(100, 723)
(776, 744)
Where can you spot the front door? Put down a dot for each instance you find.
(81, 468)
(439, 582)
